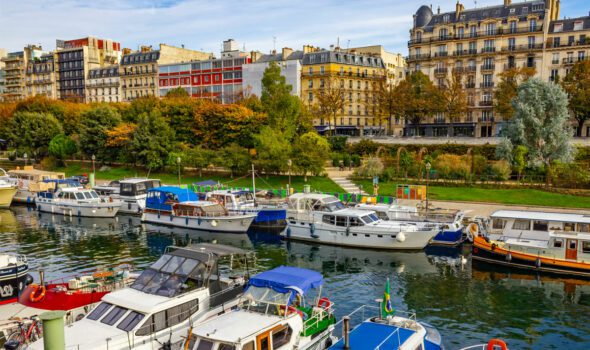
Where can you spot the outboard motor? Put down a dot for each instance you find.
(12, 344)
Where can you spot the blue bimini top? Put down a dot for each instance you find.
(372, 336)
(161, 198)
(284, 279)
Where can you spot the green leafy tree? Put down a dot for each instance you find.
(507, 88)
(140, 106)
(273, 150)
(32, 132)
(577, 85)
(152, 140)
(417, 98)
(179, 112)
(235, 158)
(371, 167)
(94, 128)
(406, 161)
(310, 153)
(541, 124)
(177, 93)
(61, 147)
(200, 158)
(330, 100)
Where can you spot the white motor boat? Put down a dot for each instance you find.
(131, 192)
(323, 218)
(7, 191)
(174, 206)
(30, 181)
(185, 286)
(76, 201)
(275, 312)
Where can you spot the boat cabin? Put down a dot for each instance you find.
(163, 198)
(304, 202)
(232, 199)
(535, 224)
(199, 208)
(28, 173)
(137, 186)
(71, 194)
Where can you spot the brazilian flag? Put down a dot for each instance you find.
(386, 306)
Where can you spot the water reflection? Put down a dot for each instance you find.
(468, 303)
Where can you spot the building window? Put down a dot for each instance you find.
(513, 26)
(310, 85)
(322, 70)
(555, 59)
(491, 29)
(578, 25)
(473, 31)
(310, 70)
(533, 25)
(310, 96)
(531, 42)
(558, 27)
(581, 55)
(461, 32)
(556, 42)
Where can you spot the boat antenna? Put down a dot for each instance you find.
(254, 184)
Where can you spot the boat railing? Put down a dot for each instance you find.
(475, 347)
(317, 317)
(364, 312)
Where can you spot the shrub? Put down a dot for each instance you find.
(356, 160)
(335, 159)
(501, 170)
(365, 147)
(570, 175)
(451, 166)
(371, 167)
(338, 143)
(389, 174)
(346, 159)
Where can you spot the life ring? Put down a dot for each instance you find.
(493, 344)
(324, 303)
(34, 297)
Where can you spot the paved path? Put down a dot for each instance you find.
(341, 178)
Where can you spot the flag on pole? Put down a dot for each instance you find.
(386, 306)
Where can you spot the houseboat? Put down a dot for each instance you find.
(187, 285)
(76, 201)
(450, 223)
(131, 192)
(174, 206)
(323, 218)
(30, 181)
(14, 277)
(549, 242)
(281, 309)
(7, 191)
(243, 202)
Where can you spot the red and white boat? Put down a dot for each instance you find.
(78, 294)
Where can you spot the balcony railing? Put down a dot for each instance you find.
(441, 70)
(551, 44)
(486, 119)
(441, 54)
(458, 70)
(513, 48)
(486, 103)
(509, 66)
(573, 60)
(470, 86)
(419, 57)
(479, 34)
(488, 49)
(471, 69)
(487, 67)
(486, 85)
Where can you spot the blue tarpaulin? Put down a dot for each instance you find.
(161, 198)
(284, 279)
(206, 183)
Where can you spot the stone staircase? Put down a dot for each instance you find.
(347, 185)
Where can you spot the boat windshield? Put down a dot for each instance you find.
(265, 300)
(171, 275)
(333, 206)
(370, 218)
(244, 197)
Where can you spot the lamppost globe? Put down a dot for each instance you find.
(25, 157)
(428, 166)
(93, 157)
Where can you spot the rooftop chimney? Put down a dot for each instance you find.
(458, 9)
(287, 51)
(438, 10)
(507, 2)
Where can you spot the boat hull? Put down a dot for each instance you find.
(6, 196)
(24, 196)
(483, 251)
(448, 237)
(97, 210)
(55, 299)
(133, 207)
(232, 224)
(413, 240)
(13, 280)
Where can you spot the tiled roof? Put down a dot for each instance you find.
(141, 57)
(568, 24)
(326, 56)
(295, 55)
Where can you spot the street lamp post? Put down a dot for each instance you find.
(289, 163)
(428, 166)
(178, 162)
(25, 157)
(93, 167)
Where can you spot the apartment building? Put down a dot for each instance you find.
(395, 63)
(75, 58)
(2, 74)
(15, 65)
(289, 62)
(478, 44)
(139, 70)
(218, 79)
(41, 76)
(356, 77)
(104, 84)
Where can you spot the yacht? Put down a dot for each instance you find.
(450, 222)
(76, 201)
(243, 202)
(174, 206)
(323, 218)
(281, 308)
(131, 192)
(7, 191)
(187, 285)
(30, 181)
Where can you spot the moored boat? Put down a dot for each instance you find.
(14, 277)
(30, 181)
(174, 206)
(450, 223)
(7, 191)
(323, 218)
(76, 201)
(131, 192)
(279, 310)
(187, 285)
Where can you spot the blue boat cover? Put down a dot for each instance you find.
(371, 336)
(168, 195)
(284, 279)
(206, 183)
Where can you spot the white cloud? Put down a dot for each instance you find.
(205, 24)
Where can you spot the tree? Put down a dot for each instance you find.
(417, 98)
(386, 98)
(32, 132)
(577, 85)
(372, 167)
(541, 124)
(454, 98)
(331, 100)
(179, 112)
(61, 147)
(235, 158)
(152, 140)
(273, 150)
(177, 93)
(119, 138)
(93, 132)
(200, 158)
(310, 153)
(507, 88)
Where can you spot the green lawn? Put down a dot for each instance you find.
(317, 183)
(504, 196)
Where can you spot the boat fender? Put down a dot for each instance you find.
(348, 231)
(538, 263)
(494, 245)
(312, 229)
(79, 317)
(400, 237)
(509, 257)
(288, 232)
(328, 343)
(36, 297)
(199, 221)
(214, 223)
(494, 344)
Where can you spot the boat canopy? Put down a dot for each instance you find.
(162, 198)
(284, 279)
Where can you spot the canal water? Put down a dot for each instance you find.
(468, 303)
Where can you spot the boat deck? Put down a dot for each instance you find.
(11, 313)
(371, 336)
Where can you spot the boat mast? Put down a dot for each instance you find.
(253, 184)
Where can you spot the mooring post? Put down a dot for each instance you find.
(53, 330)
(345, 330)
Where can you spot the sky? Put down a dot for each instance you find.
(203, 24)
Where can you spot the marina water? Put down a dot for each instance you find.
(467, 303)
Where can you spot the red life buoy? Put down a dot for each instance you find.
(324, 303)
(33, 297)
(494, 344)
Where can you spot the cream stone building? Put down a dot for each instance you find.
(480, 44)
(15, 72)
(104, 85)
(41, 76)
(138, 71)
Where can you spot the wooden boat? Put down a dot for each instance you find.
(273, 313)
(30, 181)
(556, 251)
